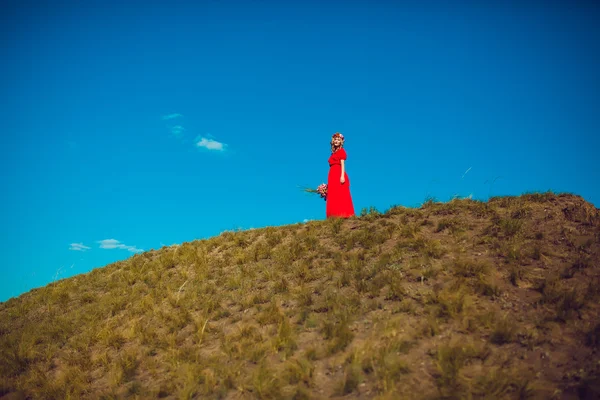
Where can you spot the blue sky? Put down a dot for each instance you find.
(132, 125)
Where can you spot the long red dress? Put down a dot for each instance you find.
(339, 200)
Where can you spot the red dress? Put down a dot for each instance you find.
(339, 200)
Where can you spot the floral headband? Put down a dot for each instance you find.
(338, 135)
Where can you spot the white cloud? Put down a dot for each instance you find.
(115, 244)
(78, 247)
(210, 144)
(177, 130)
(466, 172)
(108, 243)
(171, 116)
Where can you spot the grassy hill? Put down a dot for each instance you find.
(496, 299)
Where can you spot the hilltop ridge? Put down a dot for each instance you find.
(494, 300)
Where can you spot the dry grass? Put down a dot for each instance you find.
(450, 300)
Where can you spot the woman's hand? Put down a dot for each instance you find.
(342, 179)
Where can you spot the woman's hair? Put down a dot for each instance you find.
(333, 149)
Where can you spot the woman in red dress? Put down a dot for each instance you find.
(338, 200)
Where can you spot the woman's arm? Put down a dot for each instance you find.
(343, 177)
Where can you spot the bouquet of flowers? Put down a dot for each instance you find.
(321, 190)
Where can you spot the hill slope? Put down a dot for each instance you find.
(493, 299)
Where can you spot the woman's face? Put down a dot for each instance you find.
(337, 141)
